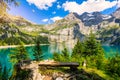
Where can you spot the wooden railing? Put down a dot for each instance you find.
(72, 65)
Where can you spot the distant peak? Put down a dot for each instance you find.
(73, 13)
(72, 16)
(85, 13)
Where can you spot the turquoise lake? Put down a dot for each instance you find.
(48, 51)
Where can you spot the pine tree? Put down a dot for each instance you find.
(65, 55)
(91, 45)
(4, 72)
(0, 71)
(93, 52)
(78, 48)
(113, 66)
(38, 51)
(62, 57)
(56, 56)
(19, 54)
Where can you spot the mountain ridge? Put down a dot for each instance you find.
(84, 23)
(71, 28)
(15, 30)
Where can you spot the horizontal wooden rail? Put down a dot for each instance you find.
(72, 65)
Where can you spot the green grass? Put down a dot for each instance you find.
(99, 72)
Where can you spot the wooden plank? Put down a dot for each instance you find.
(60, 64)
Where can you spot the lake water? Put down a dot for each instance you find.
(48, 51)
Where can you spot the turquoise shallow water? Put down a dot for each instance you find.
(111, 50)
(48, 51)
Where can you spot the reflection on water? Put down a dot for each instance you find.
(48, 51)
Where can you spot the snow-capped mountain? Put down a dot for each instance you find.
(95, 18)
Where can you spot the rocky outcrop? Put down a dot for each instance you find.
(7, 31)
(68, 35)
(90, 19)
(11, 35)
(110, 35)
(77, 33)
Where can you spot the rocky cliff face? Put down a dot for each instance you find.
(79, 26)
(110, 35)
(90, 19)
(67, 29)
(11, 35)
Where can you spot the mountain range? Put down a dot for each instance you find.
(15, 29)
(106, 27)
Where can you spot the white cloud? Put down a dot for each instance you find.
(58, 6)
(45, 20)
(118, 5)
(33, 10)
(56, 18)
(54, 12)
(88, 6)
(42, 4)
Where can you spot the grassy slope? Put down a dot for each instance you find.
(99, 72)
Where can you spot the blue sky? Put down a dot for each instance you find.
(48, 11)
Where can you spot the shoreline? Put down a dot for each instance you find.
(14, 46)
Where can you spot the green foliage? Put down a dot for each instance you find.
(19, 54)
(56, 56)
(20, 74)
(45, 31)
(62, 57)
(0, 71)
(24, 75)
(43, 40)
(91, 51)
(113, 66)
(78, 48)
(37, 51)
(4, 72)
(78, 58)
(65, 55)
(91, 45)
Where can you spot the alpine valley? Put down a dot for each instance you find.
(15, 29)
